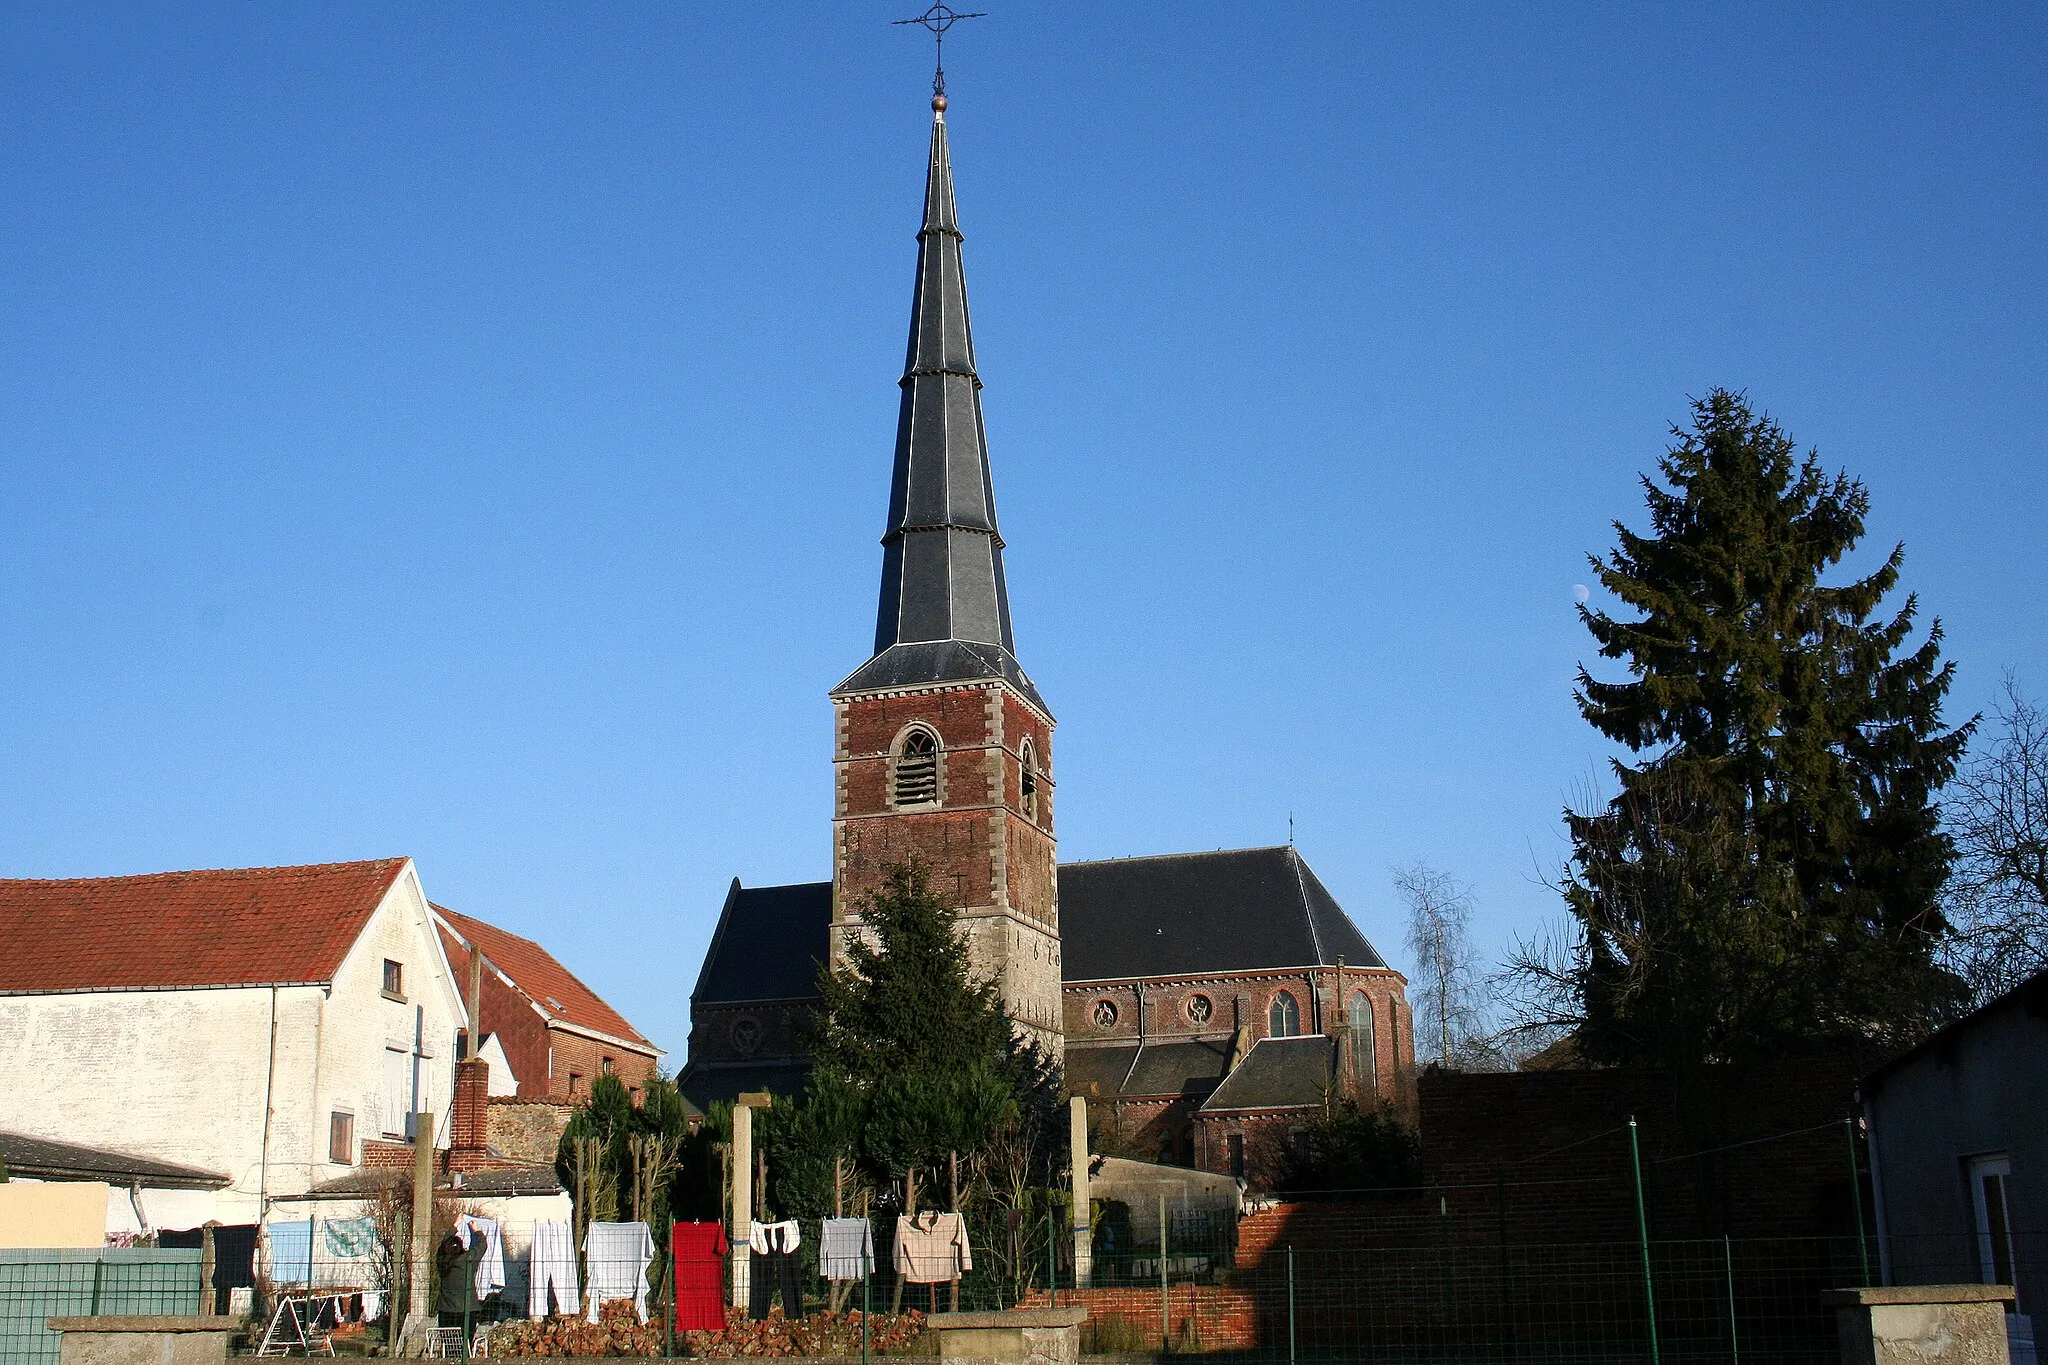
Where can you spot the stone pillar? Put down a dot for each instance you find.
(1925, 1324)
(419, 1307)
(1077, 1141)
(743, 1188)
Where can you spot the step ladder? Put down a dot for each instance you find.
(291, 1331)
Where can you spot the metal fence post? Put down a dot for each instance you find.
(99, 1270)
(1507, 1300)
(1728, 1270)
(867, 1291)
(1052, 1253)
(1165, 1302)
(1290, 1304)
(1856, 1200)
(1635, 1158)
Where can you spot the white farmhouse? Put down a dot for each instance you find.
(262, 1024)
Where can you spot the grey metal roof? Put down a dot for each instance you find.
(1278, 1073)
(47, 1159)
(1191, 913)
(942, 554)
(768, 944)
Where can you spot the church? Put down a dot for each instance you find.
(1204, 1003)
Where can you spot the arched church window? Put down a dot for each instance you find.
(1027, 761)
(917, 769)
(1364, 1052)
(1283, 1019)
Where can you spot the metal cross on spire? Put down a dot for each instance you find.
(937, 20)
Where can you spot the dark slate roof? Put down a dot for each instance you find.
(45, 1159)
(1188, 913)
(1278, 1073)
(1098, 1072)
(1183, 1067)
(768, 944)
(942, 555)
(704, 1086)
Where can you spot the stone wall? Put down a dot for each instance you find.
(528, 1130)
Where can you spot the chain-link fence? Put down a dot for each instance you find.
(1395, 1277)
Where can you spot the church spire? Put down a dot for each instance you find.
(945, 611)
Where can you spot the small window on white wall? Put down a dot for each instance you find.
(341, 1138)
(397, 1092)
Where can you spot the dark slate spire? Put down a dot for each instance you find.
(945, 612)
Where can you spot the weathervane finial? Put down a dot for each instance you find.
(936, 21)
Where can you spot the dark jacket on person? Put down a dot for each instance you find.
(457, 1269)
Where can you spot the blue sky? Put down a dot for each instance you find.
(462, 430)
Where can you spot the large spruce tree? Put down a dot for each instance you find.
(1767, 875)
(913, 1059)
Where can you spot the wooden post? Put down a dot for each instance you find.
(476, 1000)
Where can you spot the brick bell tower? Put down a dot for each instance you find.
(943, 747)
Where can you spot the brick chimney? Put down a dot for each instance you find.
(469, 1127)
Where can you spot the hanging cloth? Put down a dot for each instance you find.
(552, 1266)
(490, 1267)
(768, 1239)
(932, 1248)
(773, 1267)
(846, 1250)
(700, 1250)
(616, 1256)
(291, 1250)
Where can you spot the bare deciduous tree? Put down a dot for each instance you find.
(1996, 810)
(1447, 994)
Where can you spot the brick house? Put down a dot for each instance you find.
(1201, 1000)
(557, 1035)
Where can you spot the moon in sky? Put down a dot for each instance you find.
(1580, 593)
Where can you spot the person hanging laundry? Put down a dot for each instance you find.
(552, 1266)
(490, 1267)
(700, 1250)
(846, 1250)
(456, 1264)
(931, 1248)
(773, 1265)
(616, 1256)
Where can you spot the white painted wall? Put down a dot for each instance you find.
(182, 1075)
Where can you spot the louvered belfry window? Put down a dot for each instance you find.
(917, 770)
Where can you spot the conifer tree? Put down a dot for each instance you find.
(913, 1059)
(1767, 875)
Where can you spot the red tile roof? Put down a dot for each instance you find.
(534, 973)
(234, 927)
